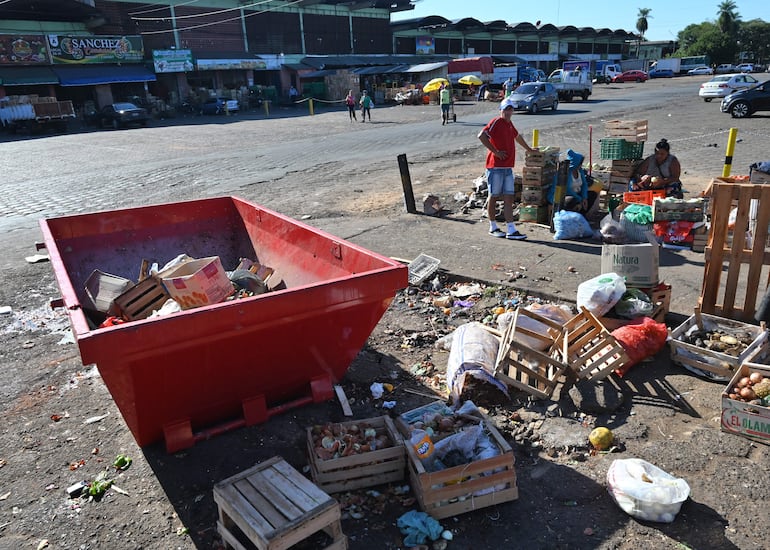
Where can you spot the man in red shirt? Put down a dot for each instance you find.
(500, 137)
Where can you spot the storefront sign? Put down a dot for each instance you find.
(95, 49)
(229, 64)
(23, 49)
(172, 61)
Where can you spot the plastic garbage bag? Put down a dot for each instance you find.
(644, 491)
(571, 225)
(418, 528)
(473, 353)
(612, 230)
(634, 303)
(600, 294)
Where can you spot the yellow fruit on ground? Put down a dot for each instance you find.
(601, 438)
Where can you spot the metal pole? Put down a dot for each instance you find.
(590, 148)
(535, 138)
(310, 106)
(729, 153)
(406, 183)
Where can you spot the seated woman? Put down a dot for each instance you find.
(580, 194)
(660, 171)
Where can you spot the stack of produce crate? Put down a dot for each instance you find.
(624, 146)
(537, 178)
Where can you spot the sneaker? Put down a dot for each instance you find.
(497, 232)
(516, 236)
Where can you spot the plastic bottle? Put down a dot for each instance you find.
(423, 446)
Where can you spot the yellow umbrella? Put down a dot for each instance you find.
(435, 84)
(471, 79)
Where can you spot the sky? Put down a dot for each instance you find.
(666, 17)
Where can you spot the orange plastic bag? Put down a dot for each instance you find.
(640, 341)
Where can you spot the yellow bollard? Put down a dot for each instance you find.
(310, 106)
(266, 105)
(729, 153)
(535, 138)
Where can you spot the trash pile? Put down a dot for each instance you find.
(181, 284)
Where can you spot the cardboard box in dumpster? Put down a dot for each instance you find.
(198, 283)
(638, 263)
(102, 289)
(741, 418)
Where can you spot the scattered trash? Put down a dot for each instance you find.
(95, 419)
(5, 310)
(418, 528)
(42, 544)
(37, 258)
(466, 290)
(422, 267)
(377, 390)
(388, 404)
(76, 489)
(99, 485)
(122, 462)
(644, 491)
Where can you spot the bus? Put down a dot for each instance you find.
(691, 62)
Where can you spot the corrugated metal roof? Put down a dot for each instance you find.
(426, 67)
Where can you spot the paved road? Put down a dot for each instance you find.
(344, 175)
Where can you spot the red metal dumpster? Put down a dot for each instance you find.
(192, 374)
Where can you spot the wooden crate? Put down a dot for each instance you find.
(739, 261)
(360, 470)
(741, 418)
(670, 209)
(529, 370)
(544, 156)
(536, 195)
(139, 301)
(275, 507)
(715, 364)
(459, 489)
(592, 352)
(625, 167)
(630, 130)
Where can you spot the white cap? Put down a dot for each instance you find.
(507, 102)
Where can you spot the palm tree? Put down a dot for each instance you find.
(641, 26)
(728, 17)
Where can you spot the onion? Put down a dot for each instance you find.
(756, 377)
(748, 394)
(743, 382)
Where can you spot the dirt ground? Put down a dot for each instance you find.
(60, 426)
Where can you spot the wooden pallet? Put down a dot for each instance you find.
(357, 471)
(529, 370)
(592, 352)
(742, 262)
(275, 507)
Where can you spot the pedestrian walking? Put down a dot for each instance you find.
(500, 137)
(366, 106)
(350, 102)
(507, 87)
(445, 99)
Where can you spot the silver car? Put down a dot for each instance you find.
(724, 84)
(534, 96)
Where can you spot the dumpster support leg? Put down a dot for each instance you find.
(322, 388)
(178, 436)
(255, 410)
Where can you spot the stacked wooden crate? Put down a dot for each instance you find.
(537, 178)
(624, 146)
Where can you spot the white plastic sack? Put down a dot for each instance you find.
(571, 225)
(474, 351)
(644, 491)
(600, 294)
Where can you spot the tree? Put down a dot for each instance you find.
(728, 17)
(641, 26)
(754, 38)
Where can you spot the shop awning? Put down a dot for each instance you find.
(426, 67)
(102, 74)
(23, 76)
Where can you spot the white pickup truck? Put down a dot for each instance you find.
(27, 115)
(569, 84)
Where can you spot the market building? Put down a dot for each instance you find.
(95, 52)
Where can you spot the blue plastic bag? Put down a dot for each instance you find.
(571, 225)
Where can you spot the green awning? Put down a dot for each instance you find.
(24, 76)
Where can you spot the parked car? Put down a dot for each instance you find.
(219, 105)
(631, 76)
(746, 102)
(745, 67)
(703, 69)
(725, 84)
(661, 73)
(725, 68)
(119, 115)
(533, 96)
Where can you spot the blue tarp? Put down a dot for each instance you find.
(102, 74)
